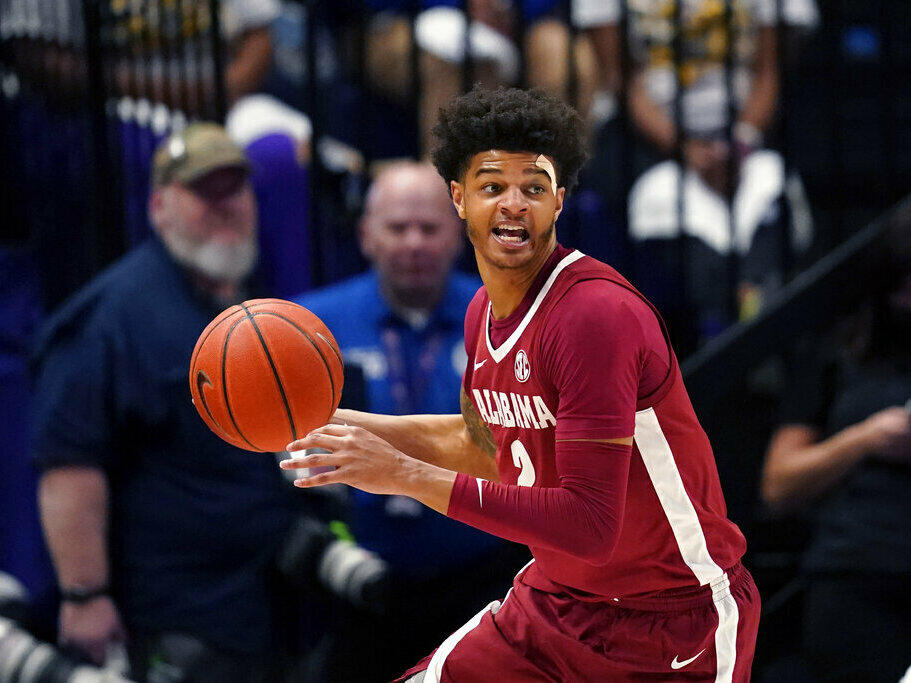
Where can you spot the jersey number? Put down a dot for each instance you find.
(522, 460)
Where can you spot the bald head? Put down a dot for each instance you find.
(410, 233)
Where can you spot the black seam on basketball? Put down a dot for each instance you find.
(205, 404)
(310, 339)
(202, 342)
(269, 302)
(227, 313)
(278, 380)
(224, 384)
(332, 346)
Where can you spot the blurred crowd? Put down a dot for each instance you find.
(273, 148)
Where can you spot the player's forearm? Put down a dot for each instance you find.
(581, 517)
(797, 473)
(428, 484)
(440, 440)
(73, 503)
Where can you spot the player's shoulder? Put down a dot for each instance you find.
(477, 307)
(592, 298)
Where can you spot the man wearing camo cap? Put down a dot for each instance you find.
(161, 533)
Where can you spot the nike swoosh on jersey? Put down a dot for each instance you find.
(477, 365)
(679, 665)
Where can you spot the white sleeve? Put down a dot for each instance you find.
(800, 13)
(592, 13)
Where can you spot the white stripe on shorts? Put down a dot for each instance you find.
(726, 633)
(435, 668)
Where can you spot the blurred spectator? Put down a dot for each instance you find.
(496, 46)
(161, 52)
(843, 454)
(723, 58)
(402, 323)
(161, 533)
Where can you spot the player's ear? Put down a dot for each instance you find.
(458, 197)
(558, 208)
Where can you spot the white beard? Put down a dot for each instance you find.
(218, 261)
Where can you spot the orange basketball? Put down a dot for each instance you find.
(265, 373)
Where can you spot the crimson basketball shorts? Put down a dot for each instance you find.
(537, 636)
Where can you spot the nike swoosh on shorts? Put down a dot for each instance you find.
(679, 665)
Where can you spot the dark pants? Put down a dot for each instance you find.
(857, 627)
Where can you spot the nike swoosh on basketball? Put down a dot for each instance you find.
(679, 665)
(477, 365)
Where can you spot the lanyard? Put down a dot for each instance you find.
(408, 381)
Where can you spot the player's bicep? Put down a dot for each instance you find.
(478, 430)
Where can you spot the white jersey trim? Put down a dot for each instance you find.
(500, 353)
(662, 470)
(678, 508)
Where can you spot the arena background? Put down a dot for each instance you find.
(90, 87)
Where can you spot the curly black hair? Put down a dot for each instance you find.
(512, 120)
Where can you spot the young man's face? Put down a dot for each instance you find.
(510, 202)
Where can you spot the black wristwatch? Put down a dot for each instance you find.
(80, 595)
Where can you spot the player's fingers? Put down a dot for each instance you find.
(316, 440)
(326, 430)
(312, 460)
(320, 479)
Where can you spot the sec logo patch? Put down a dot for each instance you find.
(523, 369)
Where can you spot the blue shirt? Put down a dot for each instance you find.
(195, 522)
(407, 370)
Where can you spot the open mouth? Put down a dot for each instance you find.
(511, 236)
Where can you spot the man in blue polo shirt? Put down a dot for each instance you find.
(161, 533)
(402, 323)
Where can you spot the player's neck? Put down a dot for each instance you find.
(506, 287)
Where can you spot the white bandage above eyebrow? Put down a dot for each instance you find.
(544, 164)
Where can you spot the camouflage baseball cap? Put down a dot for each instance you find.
(191, 153)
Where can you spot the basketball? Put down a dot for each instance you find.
(264, 373)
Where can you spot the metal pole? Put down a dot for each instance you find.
(317, 172)
(108, 237)
(220, 108)
(731, 170)
(468, 58)
(683, 292)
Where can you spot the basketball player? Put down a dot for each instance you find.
(576, 437)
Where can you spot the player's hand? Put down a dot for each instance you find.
(888, 432)
(361, 459)
(91, 628)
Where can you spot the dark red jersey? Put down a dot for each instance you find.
(586, 358)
